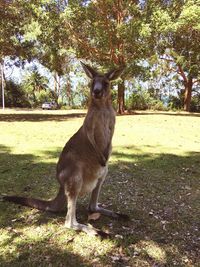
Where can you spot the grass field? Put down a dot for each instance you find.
(154, 177)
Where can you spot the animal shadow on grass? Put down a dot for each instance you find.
(40, 253)
(159, 193)
(28, 176)
(39, 117)
(176, 114)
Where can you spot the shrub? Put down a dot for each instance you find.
(195, 103)
(159, 105)
(15, 95)
(142, 100)
(175, 103)
(42, 96)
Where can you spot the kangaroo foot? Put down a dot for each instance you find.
(81, 227)
(109, 213)
(88, 229)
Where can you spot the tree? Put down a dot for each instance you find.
(33, 30)
(9, 27)
(175, 26)
(15, 96)
(14, 16)
(47, 29)
(111, 33)
(34, 83)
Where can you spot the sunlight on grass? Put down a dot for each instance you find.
(87, 246)
(160, 132)
(7, 249)
(152, 249)
(153, 177)
(30, 241)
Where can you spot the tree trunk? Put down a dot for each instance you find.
(59, 86)
(188, 94)
(3, 84)
(121, 102)
(69, 94)
(55, 82)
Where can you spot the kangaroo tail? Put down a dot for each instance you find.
(55, 205)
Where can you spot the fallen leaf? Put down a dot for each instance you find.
(70, 240)
(121, 251)
(94, 216)
(115, 258)
(119, 236)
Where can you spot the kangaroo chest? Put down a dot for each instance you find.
(103, 129)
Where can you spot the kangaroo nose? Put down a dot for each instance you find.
(97, 91)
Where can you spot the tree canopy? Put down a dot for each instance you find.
(176, 29)
(140, 35)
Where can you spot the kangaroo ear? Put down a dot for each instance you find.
(91, 73)
(114, 74)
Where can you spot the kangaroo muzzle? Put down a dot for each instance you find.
(97, 93)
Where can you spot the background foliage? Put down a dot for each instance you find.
(157, 41)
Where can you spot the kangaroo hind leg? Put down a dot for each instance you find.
(93, 204)
(72, 191)
(94, 207)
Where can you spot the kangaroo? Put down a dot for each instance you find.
(83, 163)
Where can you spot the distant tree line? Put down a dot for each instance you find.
(157, 41)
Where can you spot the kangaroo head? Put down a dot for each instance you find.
(100, 85)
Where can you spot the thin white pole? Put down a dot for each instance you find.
(2, 85)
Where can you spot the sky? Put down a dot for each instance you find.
(18, 73)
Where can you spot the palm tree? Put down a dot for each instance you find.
(35, 82)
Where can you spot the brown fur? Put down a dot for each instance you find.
(82, 166)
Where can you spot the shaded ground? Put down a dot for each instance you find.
(59, 115)
(39, 117)
(154, 178)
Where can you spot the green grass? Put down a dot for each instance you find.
(154, 177)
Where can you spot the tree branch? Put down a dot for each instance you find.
(167, 59)
(196, 81)
(84, 42)
(181, 72)
(104, 13)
